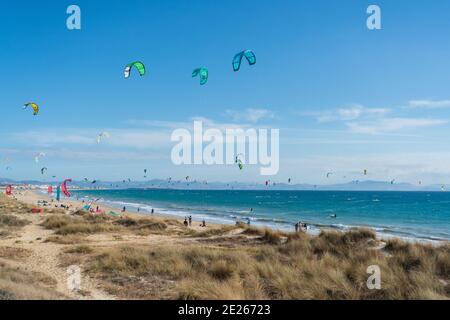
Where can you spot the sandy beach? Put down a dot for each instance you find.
(137, 256)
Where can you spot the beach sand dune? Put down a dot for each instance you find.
(135, 256)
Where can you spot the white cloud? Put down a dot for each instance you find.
(392, 125)
(429, 104)
(250, 114)
(138, 139)
(352, 112)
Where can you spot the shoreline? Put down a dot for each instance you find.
(32, 197)
(138, 256)
(318, 228)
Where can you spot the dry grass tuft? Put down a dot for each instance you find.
(142, 224)
(66, 225)
(330, 266)
(67, 239)
(7, 220)
(16, 284)
(81, 249)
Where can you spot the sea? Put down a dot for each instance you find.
(409, 215)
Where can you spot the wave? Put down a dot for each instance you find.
(266, 217)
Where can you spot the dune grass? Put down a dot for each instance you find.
(17, 284)
(67, 225)
(215, 263)
(7, 220)
(330, 266)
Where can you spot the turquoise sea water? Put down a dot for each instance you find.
(416, 215)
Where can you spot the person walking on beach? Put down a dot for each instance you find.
(203, 223)
(153, 211)
(124, 209)
(185, 222)
(296, 227)
(190, 220)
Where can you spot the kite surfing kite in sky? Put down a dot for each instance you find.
(43, 170)
(203, 73)
(102, 136)
(34, 106)
(239, 161)
(139, 66)
(248, 54)
(64, 188)
(38, 156)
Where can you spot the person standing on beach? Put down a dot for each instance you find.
(296, 227)
(124, 209)
(185, 222)
(153, 211)
(190, 220)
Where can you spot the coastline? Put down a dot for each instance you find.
(314, 229)
(32, 197)
(137, 256)
(264, 217)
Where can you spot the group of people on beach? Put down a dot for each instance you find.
(301, 226)
(188, 222)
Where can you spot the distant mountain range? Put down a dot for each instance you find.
(182, 184)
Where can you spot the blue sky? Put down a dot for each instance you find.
(344, 98)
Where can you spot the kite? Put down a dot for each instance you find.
(34, 106)
(289, 180)
(8, 190)
(139, 67)
(239, 162)
(64, 188)
(38, 156)
(365, 172)
(43, 170)
(203, 73)
(392, 181)
(248, 54)
(329, 174)
(102, 136)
